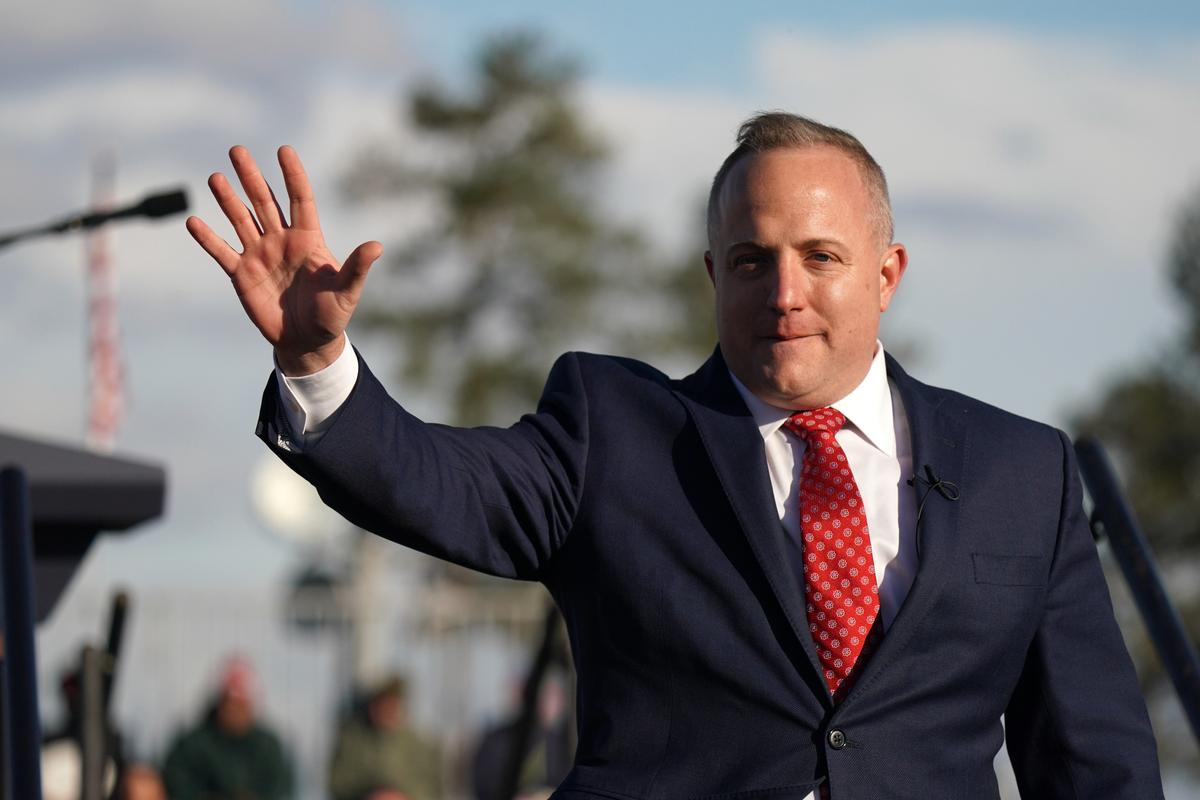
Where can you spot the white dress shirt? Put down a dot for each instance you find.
(875, 439)
(879, 449)
(310, 402)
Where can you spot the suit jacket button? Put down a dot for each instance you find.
(837, 739)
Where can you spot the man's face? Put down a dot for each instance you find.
(801, 275)
(387, 712)
(235, 714)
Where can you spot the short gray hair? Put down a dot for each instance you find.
(775, 130)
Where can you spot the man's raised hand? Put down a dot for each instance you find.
(293, 289)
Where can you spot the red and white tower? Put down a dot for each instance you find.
(105, 371)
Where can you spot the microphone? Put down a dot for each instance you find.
(932, 483)
(153, 206)
(946, 489)
(163, 204)
(159, 204)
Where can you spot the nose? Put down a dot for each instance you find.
(789, 290)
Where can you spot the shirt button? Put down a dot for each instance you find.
(837, 739)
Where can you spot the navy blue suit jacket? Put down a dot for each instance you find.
(643, 504)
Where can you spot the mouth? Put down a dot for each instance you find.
(789, 337)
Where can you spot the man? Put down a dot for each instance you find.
(377, 755)
(229, 755)
(795, 571)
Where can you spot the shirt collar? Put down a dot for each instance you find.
(868, 407)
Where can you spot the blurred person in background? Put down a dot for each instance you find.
(378, 756)
(141, 782)
(230, 754)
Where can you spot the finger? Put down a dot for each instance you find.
(356, 266)
(256, 189)
(275, 202)
(300, 195)
(235, 210)
(213, 244)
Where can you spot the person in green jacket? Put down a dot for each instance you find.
(229, 755)
(377, 756)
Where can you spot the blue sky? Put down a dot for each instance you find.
(654, 43)
(1037, 153)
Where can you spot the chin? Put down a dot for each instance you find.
(782, 390)
(800, 388)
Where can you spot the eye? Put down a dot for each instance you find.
(751, 262)
(821, 257)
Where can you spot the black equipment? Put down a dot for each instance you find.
(1112, 518)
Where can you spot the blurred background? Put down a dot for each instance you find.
(537, 172)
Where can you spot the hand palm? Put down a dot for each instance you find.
(292, 288)
(288, 286)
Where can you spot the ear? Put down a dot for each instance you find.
(708, 264)
(891, 270)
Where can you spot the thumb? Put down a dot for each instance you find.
(358, 263)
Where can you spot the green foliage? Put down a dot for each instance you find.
(1150, 418)
(519, 264)
(1185, 266)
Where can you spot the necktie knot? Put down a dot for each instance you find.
(810, 424)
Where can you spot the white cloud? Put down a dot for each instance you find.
(666, 147)
(255, 39)
(131, 106)
(1075, 127)
(1035, 179)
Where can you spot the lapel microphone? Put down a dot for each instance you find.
(932, 483)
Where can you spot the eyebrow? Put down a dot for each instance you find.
(815, 243)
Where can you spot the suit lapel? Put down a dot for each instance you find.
(735, 448)
(733, 444)
(938, 431)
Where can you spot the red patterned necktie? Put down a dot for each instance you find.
(840, 593)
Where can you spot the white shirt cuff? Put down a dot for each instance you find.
(311, 402)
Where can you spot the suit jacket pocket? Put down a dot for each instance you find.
(1006, 570)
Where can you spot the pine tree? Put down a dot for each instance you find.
(521, 264)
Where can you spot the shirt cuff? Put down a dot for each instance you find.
(311, 402)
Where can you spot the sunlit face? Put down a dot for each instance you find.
(801, 275)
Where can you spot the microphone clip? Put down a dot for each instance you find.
(932, 483)
(946, 489)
